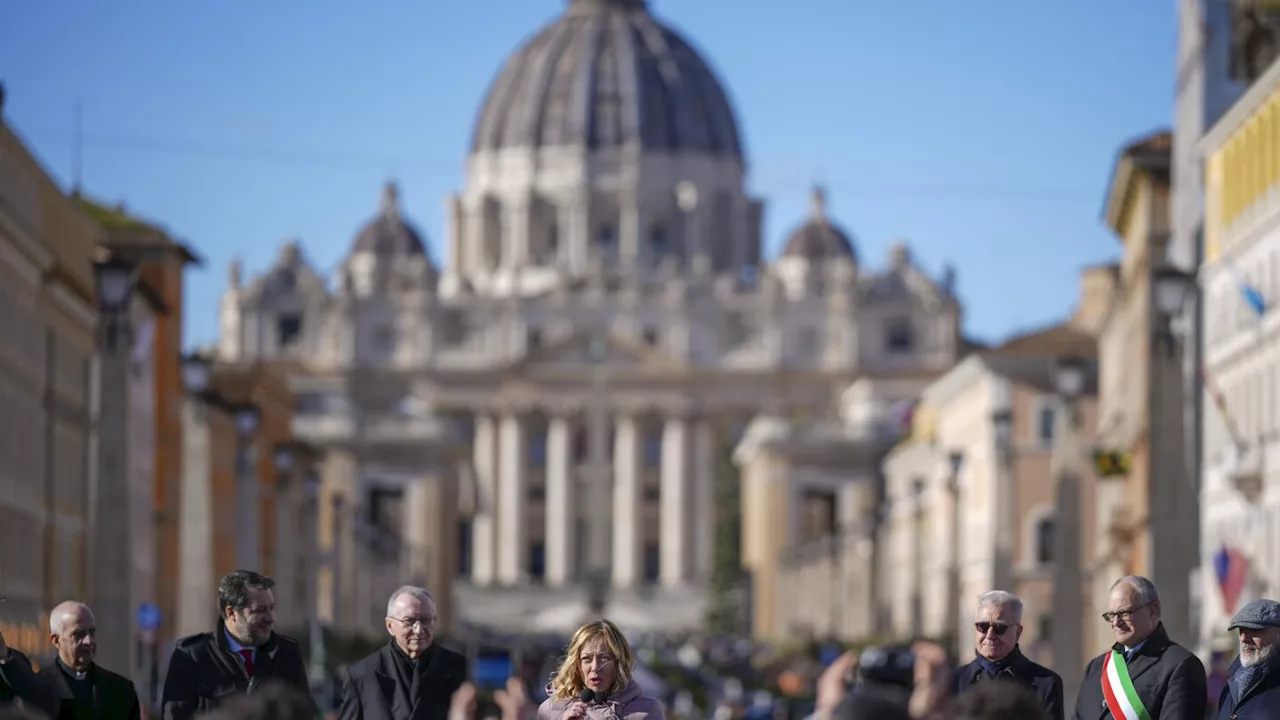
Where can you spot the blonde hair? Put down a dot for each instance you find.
(567, 681)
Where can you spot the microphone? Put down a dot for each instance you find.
(587, 696)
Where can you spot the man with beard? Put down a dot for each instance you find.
(1254, 688)
(1145, 675)
(997, 629)
(84, 689)
(240, 654)
(19, 686)
(410, 678)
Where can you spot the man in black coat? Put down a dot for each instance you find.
(997, 629)
(83, 689)
(410, 678)
(1144, 666)
(1253, 691)
(240, 654)
(19, 685)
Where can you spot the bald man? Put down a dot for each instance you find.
(85, 690)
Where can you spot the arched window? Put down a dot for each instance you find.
(658, 240)
(607, 237)
(1044, 540)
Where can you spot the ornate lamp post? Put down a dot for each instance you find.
(112, 558)
(955, 461)
(1006, 502)
(1070, 378)
(247, 417)
(917, 561)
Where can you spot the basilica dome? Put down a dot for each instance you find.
(607, 75)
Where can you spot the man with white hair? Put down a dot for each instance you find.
(1145, 675)
(84, 689)
(410, 678)
(1254, 688)
(997, 624)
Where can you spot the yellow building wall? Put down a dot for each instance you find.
(1241, 171)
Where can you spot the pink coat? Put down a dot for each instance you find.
(626, 704)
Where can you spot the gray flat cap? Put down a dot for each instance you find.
(1257, 615)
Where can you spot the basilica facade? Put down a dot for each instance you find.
(555, 403)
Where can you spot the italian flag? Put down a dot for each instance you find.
(1118, 690)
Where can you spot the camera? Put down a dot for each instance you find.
(886, 676)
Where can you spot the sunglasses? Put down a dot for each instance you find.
(1000, 628)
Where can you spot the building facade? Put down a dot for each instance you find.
(1241, 495)
(47, 320)
(602, 325)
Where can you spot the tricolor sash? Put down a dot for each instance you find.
(1117, 689)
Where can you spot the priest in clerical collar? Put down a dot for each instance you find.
(85, 690)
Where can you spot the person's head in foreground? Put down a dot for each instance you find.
(1259, 626)
(1134, 610)
(997, 624)
(598, 659)
(73, 632)
(271, 701)
(997, 701)
(411, 620)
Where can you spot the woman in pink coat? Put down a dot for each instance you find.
(594, 681)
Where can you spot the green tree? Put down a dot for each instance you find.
(726, 602)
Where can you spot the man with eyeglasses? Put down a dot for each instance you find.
(241, 654)
(1254, 688)
(1145, 675)
(997, 628)
(410, 678)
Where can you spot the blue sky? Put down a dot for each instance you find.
(982, 133)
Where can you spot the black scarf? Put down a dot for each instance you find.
(411, 673)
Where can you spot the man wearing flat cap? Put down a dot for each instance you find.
(1254, 688)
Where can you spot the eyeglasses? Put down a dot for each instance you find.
(1000, 628)
(416, 623)
(1125, 615)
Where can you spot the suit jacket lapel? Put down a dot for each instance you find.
(394, 692)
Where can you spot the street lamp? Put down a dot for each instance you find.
(247, 418)
(917, 581)
(284, 460)
(110, 515)
(955, 461)
(1172, 287)
(1070, 378)
(1006, 514)
(197, 373)
(597, 585)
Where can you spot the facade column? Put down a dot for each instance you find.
(676, 502)
(429, 551)
(629, 228)
(513, 481)
(483, 538)
(703, 477)
(561, 508)
(627, 469)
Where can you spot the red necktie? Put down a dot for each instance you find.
(247, 654)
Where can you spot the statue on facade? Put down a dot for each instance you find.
(1253, 44)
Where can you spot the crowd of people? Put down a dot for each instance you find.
(243, 669)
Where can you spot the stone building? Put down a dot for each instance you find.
(47, 321)
(1240, 500)
(604, 328)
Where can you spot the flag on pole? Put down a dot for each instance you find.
(1232, 570)
(1250, 294)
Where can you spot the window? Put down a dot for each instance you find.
(533, 339)
(653, 450)
(650, 337)
(652, 559)
(537, 560)
(658, 240)
(898, 336)
(1044, 541)
(538, 450)
(553, 240)
(288, 329)
(1044, 627)
(1046, 418)
(607, 237)
(384, 338)
(464, 547)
